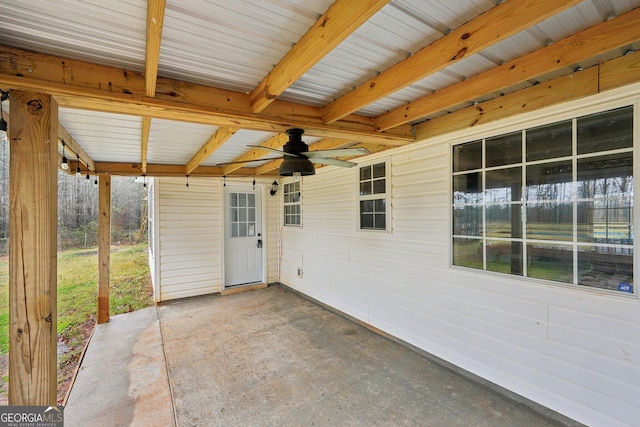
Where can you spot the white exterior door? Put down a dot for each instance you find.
(243, 238)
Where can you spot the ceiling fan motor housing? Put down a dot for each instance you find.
(296, 146)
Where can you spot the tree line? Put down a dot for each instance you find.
(78, 209)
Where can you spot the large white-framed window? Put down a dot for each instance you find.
(374, 196)
(552, 202)
(292, 194)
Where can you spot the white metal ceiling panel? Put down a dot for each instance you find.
(237, 145)
(400, 29)
(103, 32)
(570, 21)
(105, 137)
(172, 142)
(231, 44)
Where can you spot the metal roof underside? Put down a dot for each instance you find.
(233, 45)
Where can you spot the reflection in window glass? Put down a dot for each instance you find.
(550, 262)
(504, 185)
(467, 252)
(606, 221)
(572, 218)
(606, 131)
(504, 257)
(467, 188)
(606, 267)
(467, 220)
(467, 156)
(550, 141)
(605, 176)
(549, 181)
(550, 221)
(501, 223)
(504, 150)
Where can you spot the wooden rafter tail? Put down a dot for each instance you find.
(215, 141)
(144, 142)
(274, 142)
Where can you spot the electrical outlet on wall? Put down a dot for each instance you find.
(299, 271)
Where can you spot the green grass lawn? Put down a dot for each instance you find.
(77, 296)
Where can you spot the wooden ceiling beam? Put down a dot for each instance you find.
(341, 19)
(75, 148)
(155, 19)
(215, 141)
(611, 74)
(275, 142)
(604, 37)
(144, 141)
(158, 170)
(493, 26)
(78, 84)
(72, 148)
(268, 168)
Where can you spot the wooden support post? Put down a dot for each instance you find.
(33, 219)
(104, 247)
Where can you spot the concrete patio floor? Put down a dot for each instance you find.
(269, 357)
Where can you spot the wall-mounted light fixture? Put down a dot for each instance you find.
(274, 188)
(3, 123)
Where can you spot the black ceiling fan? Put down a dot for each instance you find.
(298, 158)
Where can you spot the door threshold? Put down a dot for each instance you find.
(243, 288)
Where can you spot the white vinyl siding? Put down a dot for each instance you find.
(572, 349)
(188, 223)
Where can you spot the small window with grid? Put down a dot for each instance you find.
(373, 197)
(292, 204)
